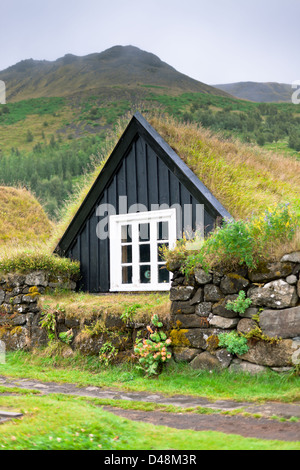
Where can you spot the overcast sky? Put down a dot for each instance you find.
(214, 41)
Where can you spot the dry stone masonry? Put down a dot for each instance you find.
(271, 323)
(21, 313)
(19, 310)
(199, 314)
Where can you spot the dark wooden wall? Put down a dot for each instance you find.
(145, 179)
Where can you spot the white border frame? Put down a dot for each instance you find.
(115, 222)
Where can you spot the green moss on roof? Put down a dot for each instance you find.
(244, 178)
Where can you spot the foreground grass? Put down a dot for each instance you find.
(176, 379)
(61, 422)
(57, 422)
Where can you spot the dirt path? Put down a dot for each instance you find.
(262, 428)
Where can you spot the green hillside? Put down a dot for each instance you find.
(48, 143)
(117, 66)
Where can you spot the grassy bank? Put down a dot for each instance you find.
(175, 379)
(70, 422)
(57, 422)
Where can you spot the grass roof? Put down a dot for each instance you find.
(245, 179)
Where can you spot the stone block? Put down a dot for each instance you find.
(270, 354)
(237, 365)
(191, 321)
(37, 278)
(198, 297)
(281, 323)
(246, 325)
(192, 338)
(276, 294)
(222, 322)
(232, 283)
(181, 292)
(220, 307)
(203, 309)
(206, 361)
(16, 280)
(224, 357)
(293, 257)
(271, 272)
(202, 277)
(178, 307)
(185, 354)
(292, 279)
(212, 293)
(249, 312)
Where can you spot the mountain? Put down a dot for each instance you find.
(259, 92)
(124, 66)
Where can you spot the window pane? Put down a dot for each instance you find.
(145, 253)
(162, 230)
(145, 274)
(144, 232)
(126, 234)
(127, 275)
(160, 250)
(163, 275)
(127, 254)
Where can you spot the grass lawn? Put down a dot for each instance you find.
(68, 422)
(56, 422)
(175, 379)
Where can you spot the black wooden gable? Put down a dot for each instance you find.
(145, 169)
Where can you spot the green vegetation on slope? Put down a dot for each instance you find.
(244, 179)
(22, 218)
(259, 123)
(48, 144)
(58, 422)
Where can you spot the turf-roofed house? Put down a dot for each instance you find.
(144, 198)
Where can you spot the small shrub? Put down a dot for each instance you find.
(241, 242)
(49, 323)
(129, 312)
(107, 353)
(152, 352)
(233, 342)
(66, 336)
(239, 305)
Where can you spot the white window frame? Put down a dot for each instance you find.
(134, 219)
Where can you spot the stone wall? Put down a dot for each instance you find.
(19, 310)
(198, 315)
(271, 323)
(21, 314)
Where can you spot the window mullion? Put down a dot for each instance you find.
(153, 252)
(135, 253)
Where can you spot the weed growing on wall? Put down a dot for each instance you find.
(239, 305)
(266, 236)
(233, 342)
